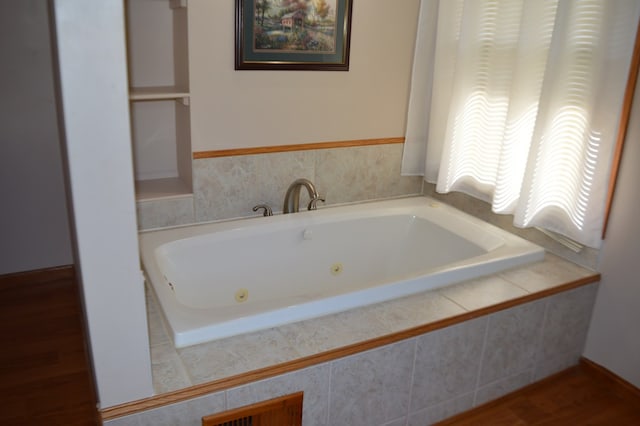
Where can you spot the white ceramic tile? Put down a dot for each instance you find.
(513, 336)
(235, 355)
(372, 387)
(397, 422)
(132, 420)
(276, 172)
(229, 187)
(163, 213)
(223, 187)
(555, 363)
(387, 161)
(444, 410)
(168, 371)
(157, 332)
(480, 293)
(333, 331)
(346, 174)
(567, 321)
(502, 387)
(313, 381)
(186, 413)
(544, 275)
(447, 363)
(415, 310)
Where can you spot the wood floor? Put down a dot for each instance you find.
(45, 377)
(583, 395)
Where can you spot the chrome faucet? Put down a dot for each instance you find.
(292, 197)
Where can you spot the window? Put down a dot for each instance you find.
(525, 106)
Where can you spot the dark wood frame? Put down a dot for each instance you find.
(247, 59)
(627, 103)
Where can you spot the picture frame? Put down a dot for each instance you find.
(311, 35)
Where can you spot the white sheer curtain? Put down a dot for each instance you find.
(521, 105)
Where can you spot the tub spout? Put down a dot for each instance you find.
(292, 197)
(266, 209)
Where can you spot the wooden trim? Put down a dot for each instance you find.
(284, 410)
(37, 276)
(298, 364)
(619, 382)
(627, 103)
(295, 147)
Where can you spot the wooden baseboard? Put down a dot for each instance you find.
(597, 369)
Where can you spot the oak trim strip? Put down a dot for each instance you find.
(627, 104)
(311, 360)
(619, 382)
(296, 147)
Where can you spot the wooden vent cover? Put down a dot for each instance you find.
(283, 411)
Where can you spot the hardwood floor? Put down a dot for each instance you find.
(44, 370)
(584, 395)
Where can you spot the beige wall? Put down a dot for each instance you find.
(238, 109)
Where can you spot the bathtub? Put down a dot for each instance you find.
(221, 279)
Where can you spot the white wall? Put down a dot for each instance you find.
(238, 109)
(34, 226)
(94, 98)
(614, 335)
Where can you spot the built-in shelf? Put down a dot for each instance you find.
(155, 189)
(158, 93)
(158, 60)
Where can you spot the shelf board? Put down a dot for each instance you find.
(158, 93)
(156, 189)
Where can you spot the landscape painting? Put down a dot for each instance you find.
(293, 34)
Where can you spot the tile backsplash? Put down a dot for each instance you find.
(229, 187)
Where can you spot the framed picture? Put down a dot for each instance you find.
(293, 35)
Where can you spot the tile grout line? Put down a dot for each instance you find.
(482, 352)
(412, 381)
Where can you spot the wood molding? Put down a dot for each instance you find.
(295, 147)
(284, 410)
(603, 372)
(298, 364)
(625, 114)
(37, 276)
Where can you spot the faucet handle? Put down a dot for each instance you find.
(267, 209)
(313, 204)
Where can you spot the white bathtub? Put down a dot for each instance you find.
(221, 279)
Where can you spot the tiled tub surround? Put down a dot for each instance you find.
(229, 187)
(410, 361)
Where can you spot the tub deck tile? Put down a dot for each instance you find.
(333, 331)
(168, 371)
(550, 273)
(480, 293)
(416, 310)
(237, 355)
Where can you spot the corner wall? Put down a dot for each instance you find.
(613, 340)
(34, 225)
